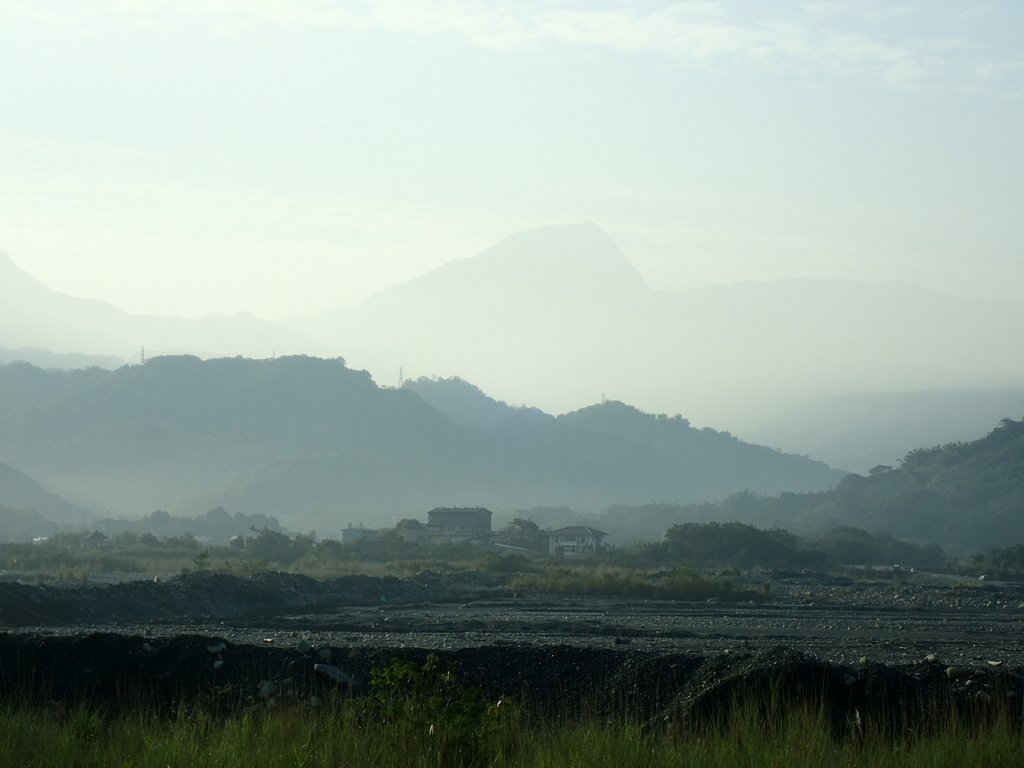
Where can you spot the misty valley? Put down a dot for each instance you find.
(535, 384)
(194, 542)
(401, 559)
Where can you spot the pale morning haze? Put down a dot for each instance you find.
(512, 382)
(726, 210)
(277, 157)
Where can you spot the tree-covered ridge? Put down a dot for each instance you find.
(319, 445)
(968, 493)
(467, 405)
(963, 496)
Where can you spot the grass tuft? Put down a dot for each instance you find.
(343, 735)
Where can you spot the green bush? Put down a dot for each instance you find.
(428, 705)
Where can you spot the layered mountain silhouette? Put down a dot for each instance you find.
(547, 305)
(319, 445)
(557, 316)
(861, 430)
(44, 358)
(963, 496)
(34, 316)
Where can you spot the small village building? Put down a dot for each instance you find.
(96, 540)
(459, 523)
(351, 535)
(411, 531)
(575, 540)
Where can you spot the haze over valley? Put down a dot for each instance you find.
(342, 263)
(549, 382)
(852, 375)
(556, 318)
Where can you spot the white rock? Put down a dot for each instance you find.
(953, 673)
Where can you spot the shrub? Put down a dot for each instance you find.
(427, 704)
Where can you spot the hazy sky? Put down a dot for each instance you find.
(189, 156)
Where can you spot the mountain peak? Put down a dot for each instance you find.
(562, 253)
(560, 258)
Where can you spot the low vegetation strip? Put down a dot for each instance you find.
(675, 584)
(341, 735)
(677, 693)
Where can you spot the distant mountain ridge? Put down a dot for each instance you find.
(20, 492)
(32, 315)
(963, 496)
(554, 312)
(467, 405)
(857, 431)
(558, 317)
(44, 358)
(316, 444)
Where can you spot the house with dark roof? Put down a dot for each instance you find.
(575, 540)
(351, 535)
(96, 540)
(459, 523)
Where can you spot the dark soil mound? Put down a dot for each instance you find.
(677, 692)
(204, 595)
(883, 698)
(115, 671)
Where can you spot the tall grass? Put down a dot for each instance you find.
(339, 736)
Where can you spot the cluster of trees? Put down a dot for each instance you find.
(702, 546)
(216, 525)
(1003, 563)
(960, 496)
(739, 545)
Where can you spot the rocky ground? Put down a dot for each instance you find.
(247, 642)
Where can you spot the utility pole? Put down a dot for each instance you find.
(401, 378)
(142, 356)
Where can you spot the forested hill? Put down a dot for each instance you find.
(319, 445)
(962, 496)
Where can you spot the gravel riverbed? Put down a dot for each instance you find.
(206, 634)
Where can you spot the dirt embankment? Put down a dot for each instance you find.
(206, 595)
(671, 691)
